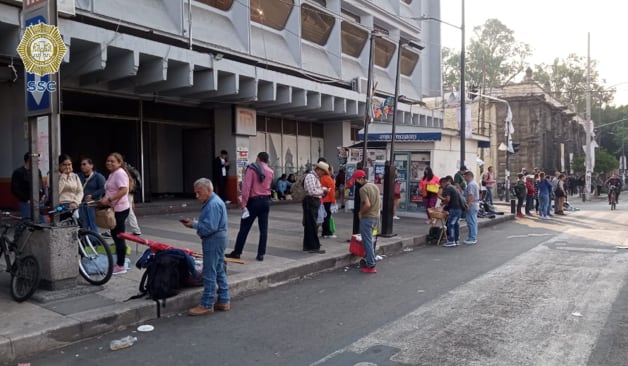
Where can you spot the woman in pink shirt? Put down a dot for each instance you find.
(116, 190)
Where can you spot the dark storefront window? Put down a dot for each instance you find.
(409, 60)
(218, 4)
(353, 38)
(271, 13)
(316, 25)
(384, 50)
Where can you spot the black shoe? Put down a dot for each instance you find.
(362, 263)
(233, 255)
(317, 251)
(137, 234)
(260, 258)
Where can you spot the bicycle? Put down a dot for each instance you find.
(24, 268)
(612, 197)
(95, 258)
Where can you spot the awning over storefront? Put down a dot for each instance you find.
(382, 132)
(403, 136)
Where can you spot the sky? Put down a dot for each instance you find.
(553, 28)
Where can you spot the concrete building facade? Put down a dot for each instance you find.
(170, 83)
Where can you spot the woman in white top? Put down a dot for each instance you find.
(70, 187)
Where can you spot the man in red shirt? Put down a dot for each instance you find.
(255, 205)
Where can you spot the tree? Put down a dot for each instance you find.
(493, 58)
(604, 162)
(566, 80)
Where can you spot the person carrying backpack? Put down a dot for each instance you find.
(520, 191)
(211, 227)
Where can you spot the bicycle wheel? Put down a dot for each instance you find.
(95, 259)
(24, 278)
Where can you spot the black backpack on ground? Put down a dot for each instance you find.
(434, 234)
(166, 272)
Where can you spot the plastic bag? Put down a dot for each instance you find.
(321, 214)
(332, 224)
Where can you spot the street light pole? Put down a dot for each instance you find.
(369, 101)
(463, 104)
(389, 168)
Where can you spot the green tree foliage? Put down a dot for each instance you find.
(492, 58)
(566, 80)
(604, 162)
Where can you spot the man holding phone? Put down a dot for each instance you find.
(311, 203)
(211, 227)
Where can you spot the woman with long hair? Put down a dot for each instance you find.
(70, 187)
(429, 187)
(93, 189)
(116, 196)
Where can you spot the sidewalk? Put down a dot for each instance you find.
(54, 319)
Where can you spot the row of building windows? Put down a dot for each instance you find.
(317, 25)
(288, 126)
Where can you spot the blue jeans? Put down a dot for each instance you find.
(258, 209)
(25, 212)
(472, 223)
(489, 195)
(544, 204)
(529, 204)
(453, 224)
(88, 218)
(367, 224)
(214, 271)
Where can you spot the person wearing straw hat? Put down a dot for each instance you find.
(311, 204)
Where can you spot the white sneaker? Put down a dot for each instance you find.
(470, 242)
(396, 217)
(450, 244)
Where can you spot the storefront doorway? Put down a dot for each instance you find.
(410, 167)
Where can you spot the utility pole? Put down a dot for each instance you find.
(588, 128)
(463, 97)
(369, 102)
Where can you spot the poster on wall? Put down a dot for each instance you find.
(245, 122)
(379, 169)
(350, 169)
(343, 154)
(242, 160)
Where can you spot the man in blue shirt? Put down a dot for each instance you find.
(211, 227)
(545, 190)
(472, 196)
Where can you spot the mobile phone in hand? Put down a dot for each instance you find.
(183, 220)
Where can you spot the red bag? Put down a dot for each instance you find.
(355, 246)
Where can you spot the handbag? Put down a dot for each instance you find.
(432, 188)
(332, 224)
(105, 218)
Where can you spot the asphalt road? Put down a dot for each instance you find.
(530, 293)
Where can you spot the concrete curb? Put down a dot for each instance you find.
(96, 322)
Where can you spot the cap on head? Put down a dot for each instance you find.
(359, 174)
(463, 167)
